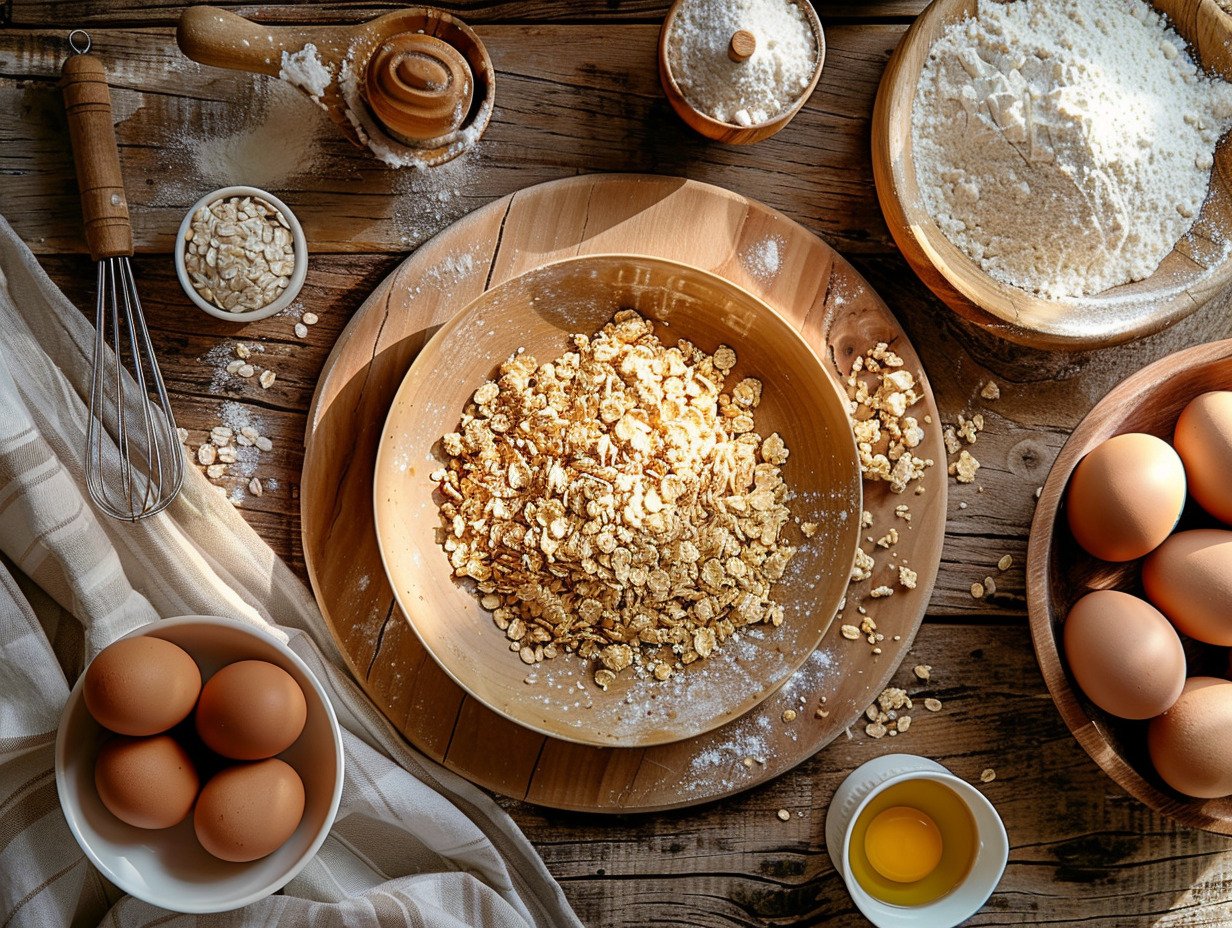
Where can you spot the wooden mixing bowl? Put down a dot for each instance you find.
(1059, 572)
(1199, 267)
(538, 312)
(713, 128)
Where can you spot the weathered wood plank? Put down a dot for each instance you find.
(107, 13)
(1080, 848)
(185, 129)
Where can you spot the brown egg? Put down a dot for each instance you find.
(1125, 496)
(1189, 577)
(1124, 654)
(1203, 439)
(146, 782)
(250, 710)
(141, 686)
(1191, 743)
(249, 810)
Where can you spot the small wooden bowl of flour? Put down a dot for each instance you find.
(739, 71)
(1190, 267)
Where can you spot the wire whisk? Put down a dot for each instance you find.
(134, 463)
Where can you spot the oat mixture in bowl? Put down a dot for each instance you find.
(618, 500)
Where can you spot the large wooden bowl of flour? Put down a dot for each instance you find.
(1198, 267)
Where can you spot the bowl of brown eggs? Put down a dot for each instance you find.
(1129, 585)
(199, 763)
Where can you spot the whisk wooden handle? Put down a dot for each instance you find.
(87, 101)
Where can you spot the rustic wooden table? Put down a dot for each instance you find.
(578, 92)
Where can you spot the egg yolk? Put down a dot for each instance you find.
(903, 844)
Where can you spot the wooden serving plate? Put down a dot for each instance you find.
(1059, 572)
(716, 230)
(1199, 267)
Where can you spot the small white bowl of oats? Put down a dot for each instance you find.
(241, 254)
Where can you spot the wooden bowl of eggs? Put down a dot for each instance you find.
(1040, 241)
(1129, 585)
(199, 763)
(618, 500)
(739, 76)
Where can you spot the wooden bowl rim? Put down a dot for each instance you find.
(849, 534)
(725, 131)
(1044, 622)
(1111, 317)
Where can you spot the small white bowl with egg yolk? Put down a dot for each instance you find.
(915, 844)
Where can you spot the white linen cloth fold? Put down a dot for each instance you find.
(413, 843)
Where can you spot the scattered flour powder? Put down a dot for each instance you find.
(1065, 146)
(752, 91)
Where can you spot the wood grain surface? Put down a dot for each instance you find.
(579, 93)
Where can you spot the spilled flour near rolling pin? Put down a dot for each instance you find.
(1066, 146)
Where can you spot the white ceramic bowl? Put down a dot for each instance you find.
(861, 787)
(168, 867)
(297, 275)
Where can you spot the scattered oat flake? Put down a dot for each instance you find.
(309, 318)
(977, 591)
(234, 366)
(875, 730)
(214, 471)
(903, 723)
(1005, 563)
(990, 586)
(263, 443)
(301, 330)
(254, 487)
(988, 775)
(207, 454)
(246, 370)
(850, 632)
(963, 470)
(932, 705)
(923, 671)
(784, 815)
(991, 391)
(267, 379)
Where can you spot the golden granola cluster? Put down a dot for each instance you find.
(617, 502)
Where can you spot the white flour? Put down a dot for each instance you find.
(1065, 146)
(748, 92)
(272, 139)
(305, 70)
